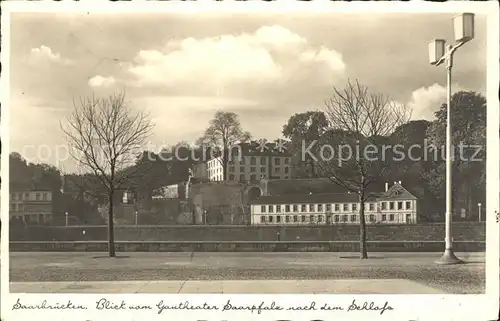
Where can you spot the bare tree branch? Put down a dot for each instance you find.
(105, 136)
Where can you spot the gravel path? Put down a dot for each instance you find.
(452, 279)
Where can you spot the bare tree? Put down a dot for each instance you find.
(223, 133)
(360, 123)
(105, 136)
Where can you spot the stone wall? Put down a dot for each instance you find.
(466, 231)
(342, 246)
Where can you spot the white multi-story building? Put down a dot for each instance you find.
(249, 164)
(394, 206)
(32, 207)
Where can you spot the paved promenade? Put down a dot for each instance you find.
(389, 286)
(225, 272)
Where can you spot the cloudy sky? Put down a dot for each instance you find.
(183, 68)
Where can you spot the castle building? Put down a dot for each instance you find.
(393, 206)
(248, 162)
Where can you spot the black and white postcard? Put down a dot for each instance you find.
(250, 160)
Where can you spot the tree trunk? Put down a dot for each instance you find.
(111, 230)
(362, 227)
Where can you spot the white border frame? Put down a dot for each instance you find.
(407, 307)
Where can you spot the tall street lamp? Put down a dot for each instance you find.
(440, 52)
(479, 211)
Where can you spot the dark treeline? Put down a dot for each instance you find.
(424, 175)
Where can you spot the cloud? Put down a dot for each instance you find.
(44, 53)
(272, 55)
(427, 100)
(99, 81)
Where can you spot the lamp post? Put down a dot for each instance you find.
(66, 218)
(135, 218)
(440, 52)
(479, 211)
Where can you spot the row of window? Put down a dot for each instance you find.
(35, 218)
(262, 160)
(314, 208)
(329, 219)
(241, 178)
(242, 170)
(38, 196)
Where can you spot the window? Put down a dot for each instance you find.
(408, 205)
(311, 218)
(253, 177)
(328, 207)
(287, 219)
(372, 218)
(263, 161)
(26, 196)
(13, 196)
(252, 169)
(336, 217)
(320, 207)
(263, 209)
(383, 205)
(287, 208)
(277, 161)
(242, 160)
(262, 219)
(231, 169)
(384, 217)
(337, 207)
(295, 219)
(354, 207)
(242, 177)
(372, 206)
(278, 208)
(346, 207)
(277, 170)
(286, 170)
(253, 161)
(302, 208)
(344, 218)
(270, 209)
(278, 219)
(391, 217)
(231, 177)
(270, 219)
(303, 218)
(295, 208)
(353, 218)
(262, 169)
(391, 205)
(37, 196)
(400, 205)
(311, 207)
(320, 218)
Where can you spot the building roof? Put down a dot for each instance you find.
(308, 198)
(395, 192)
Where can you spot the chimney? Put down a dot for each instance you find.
(386, 187)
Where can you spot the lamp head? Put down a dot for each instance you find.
(436, 51)
(463, 27)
